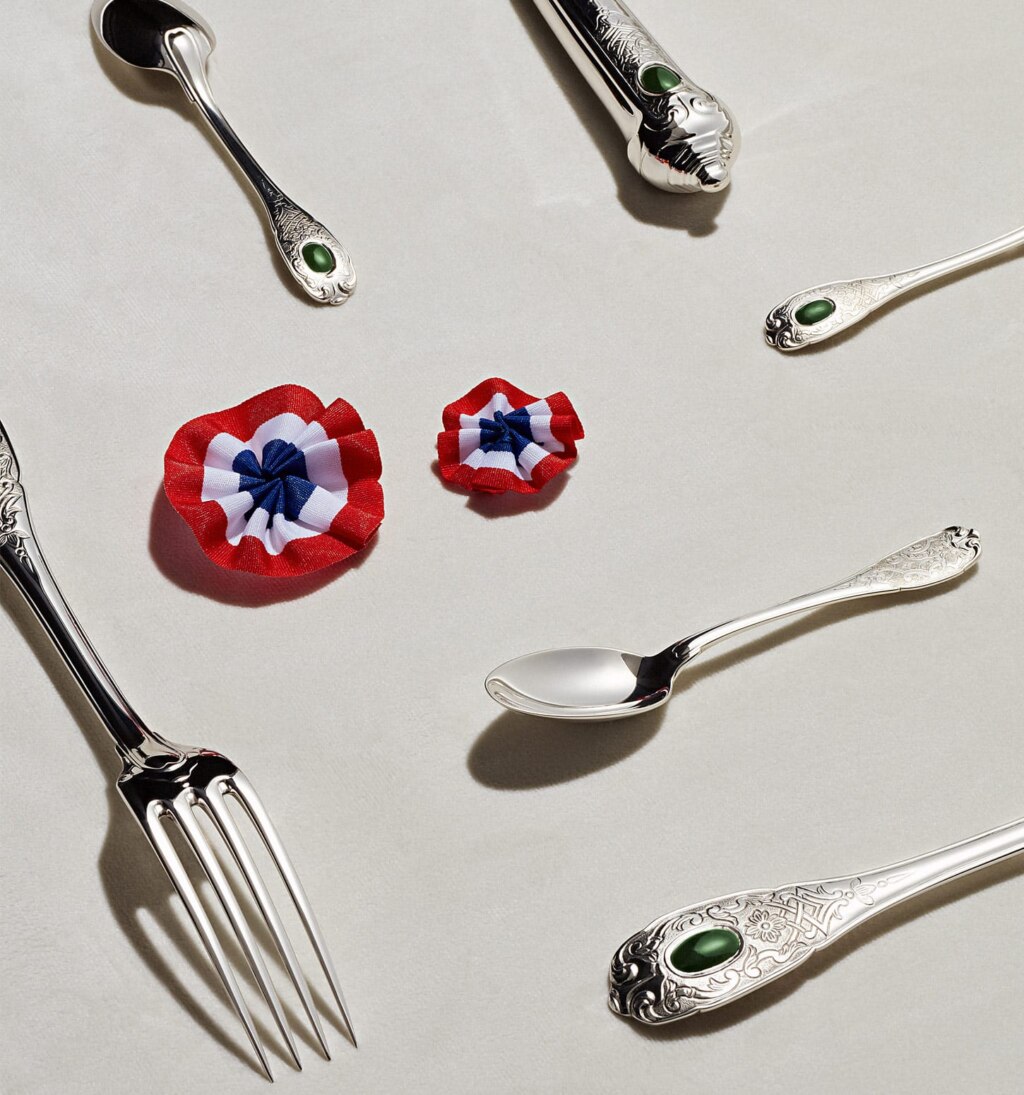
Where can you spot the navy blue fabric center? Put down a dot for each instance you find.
(279, 484)
(506, 432)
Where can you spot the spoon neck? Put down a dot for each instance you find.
(186, 54)
(963, 259)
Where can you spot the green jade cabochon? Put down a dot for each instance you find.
(814, 312)
(657, 79)
(318, 258)
(709, 948)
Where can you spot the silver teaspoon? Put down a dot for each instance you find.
(150, 34)
(598, 684)
(707, 955)
(819, 313)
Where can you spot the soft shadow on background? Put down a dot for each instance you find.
(710, 1023)
(163, 90)
(179, 557)
(518, 752)
(692, 213)
(138, 890)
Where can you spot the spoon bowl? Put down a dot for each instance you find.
(583, 683)
(136, 30)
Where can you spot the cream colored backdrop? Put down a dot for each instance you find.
(473, 870)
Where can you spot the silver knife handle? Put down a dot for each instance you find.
(680, 137)
(749, 939)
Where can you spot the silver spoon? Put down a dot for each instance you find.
(819, 313)
(598, 684)
(150, 34)
(707, 955)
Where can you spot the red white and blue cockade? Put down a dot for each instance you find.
(499, 438)
(279, 485)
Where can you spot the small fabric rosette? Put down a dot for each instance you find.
(279, 485)
(498, 438)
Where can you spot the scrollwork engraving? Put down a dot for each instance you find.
(779, 929)
(923, 563)
(12, 502)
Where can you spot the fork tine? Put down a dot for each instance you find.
(164, 849)
(213, 800)
(243, 791)
(182, 810)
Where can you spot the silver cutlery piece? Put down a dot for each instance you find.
(150, 34)
(164, 782)
(709, 954)
(594, 683)
(680, 137)
(819, 313)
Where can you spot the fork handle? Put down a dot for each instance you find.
(22, 560)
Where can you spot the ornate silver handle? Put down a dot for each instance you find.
(709, 954)
(22, 560)
(927, 562)
(817, 314)
(314, 257)
(681, 138)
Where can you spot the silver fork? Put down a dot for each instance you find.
(162, 780)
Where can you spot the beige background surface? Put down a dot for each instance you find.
(475, 870)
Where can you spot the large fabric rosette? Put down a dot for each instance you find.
(279, 485)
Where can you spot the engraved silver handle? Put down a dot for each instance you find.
(814, 315)
(22, 560)
(748, 939)
(680, 137)
(313, 255)
(927, 562)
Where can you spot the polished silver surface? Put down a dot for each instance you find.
(853, 300)
(681, 139)
(600, 684)
(174, 39)
(778, 929)
(164, 782)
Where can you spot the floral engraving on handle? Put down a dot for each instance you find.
(779, 929)
(853, 301)
(12, 502)
(923, 563)
(294, 228)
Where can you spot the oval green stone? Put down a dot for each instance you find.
(658, 79)
(318, 258)
(700, 952)
(814, 312)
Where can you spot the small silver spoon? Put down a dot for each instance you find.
(819, 313)
(153, 35)
(599, 684)
(707, 955)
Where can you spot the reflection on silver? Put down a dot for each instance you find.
(599, 684)
(680, 137)
(163, 782)
(154, 35)
(778, 929)
(851, 301)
